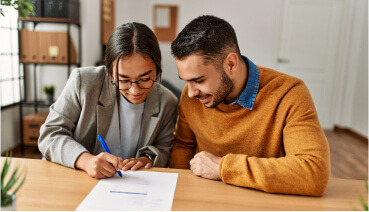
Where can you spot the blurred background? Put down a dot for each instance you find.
(324, 43)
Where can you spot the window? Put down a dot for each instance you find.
(10, 77)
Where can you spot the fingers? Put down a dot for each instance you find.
(98, 167)
(136, 163)
(148, 165)
(107, 171)
(117, 162)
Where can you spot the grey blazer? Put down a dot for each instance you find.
(84, 110)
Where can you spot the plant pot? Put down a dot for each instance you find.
(11, 206)
(49, 98)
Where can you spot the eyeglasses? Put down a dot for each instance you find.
(125, 85)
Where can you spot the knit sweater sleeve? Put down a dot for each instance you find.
(184, 143)
(304, 169)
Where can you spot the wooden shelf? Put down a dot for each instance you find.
(51, 20)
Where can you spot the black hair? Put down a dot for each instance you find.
(209, 36)
(131, 38)
(126, 40)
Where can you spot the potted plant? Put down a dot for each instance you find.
(12, 178)
(49, 91)
(24, 7)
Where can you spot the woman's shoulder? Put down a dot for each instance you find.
(167, 96)
(88, 80)
(89, 73)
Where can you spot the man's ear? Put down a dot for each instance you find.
(231, 63)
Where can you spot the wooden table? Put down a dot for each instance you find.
(50, 186)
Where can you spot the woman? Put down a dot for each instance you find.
(122, 102)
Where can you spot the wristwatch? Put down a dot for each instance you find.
(149, 157)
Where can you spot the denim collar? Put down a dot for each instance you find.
(248, 95)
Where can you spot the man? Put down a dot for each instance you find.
(247, 125)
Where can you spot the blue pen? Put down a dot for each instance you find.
(103, 144)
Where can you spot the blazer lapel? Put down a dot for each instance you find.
(150, 117)
(104, 109)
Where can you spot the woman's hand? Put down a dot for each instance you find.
(102, 165)
(136, 163)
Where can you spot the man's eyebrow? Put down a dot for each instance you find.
(141, 75)
(192, 79)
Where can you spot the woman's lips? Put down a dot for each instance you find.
(136, 96)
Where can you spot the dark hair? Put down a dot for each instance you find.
(126, 40)
(132, 38)
(209, 36)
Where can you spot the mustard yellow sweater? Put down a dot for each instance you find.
(278, 146)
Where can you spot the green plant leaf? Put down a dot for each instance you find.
(21, 183)
(12, 180)
(5, 170)
(363, 203)
(7, 200)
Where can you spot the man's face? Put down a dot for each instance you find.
(209, 85)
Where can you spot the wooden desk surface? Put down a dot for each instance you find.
(50, 186)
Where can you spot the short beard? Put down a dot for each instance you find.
(223, 91)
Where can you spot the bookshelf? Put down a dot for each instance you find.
(46, 48)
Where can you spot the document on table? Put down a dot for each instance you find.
(139, 190)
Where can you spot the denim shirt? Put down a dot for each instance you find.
(248, 95)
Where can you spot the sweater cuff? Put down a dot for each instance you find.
(231, 168)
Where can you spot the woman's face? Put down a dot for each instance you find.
(135, 68)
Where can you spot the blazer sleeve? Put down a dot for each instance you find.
(56, 141)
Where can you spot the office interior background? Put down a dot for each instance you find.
(325, 43)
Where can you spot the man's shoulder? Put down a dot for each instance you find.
(272, 80)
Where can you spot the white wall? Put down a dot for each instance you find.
(256, 23)
(10, 128)
(351, 109)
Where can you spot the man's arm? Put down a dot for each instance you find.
(305, 169)
(184, 142)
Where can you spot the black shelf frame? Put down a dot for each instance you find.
(40, 103)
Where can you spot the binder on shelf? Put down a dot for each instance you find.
(63, 48)
(42, 46)
(28, 46)
(53, 48)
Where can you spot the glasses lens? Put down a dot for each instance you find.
(124, 85)
(145, 83)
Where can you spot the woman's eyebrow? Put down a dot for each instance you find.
(141, 75)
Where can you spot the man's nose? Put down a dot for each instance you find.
(192, 90)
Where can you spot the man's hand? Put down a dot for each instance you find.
(136, 163)
(102, 165)
(206, 165)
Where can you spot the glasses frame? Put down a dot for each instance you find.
(138, 84)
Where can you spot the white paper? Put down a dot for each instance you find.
(139, 190)
(162, 17)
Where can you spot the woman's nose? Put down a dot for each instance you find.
(134, 88)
